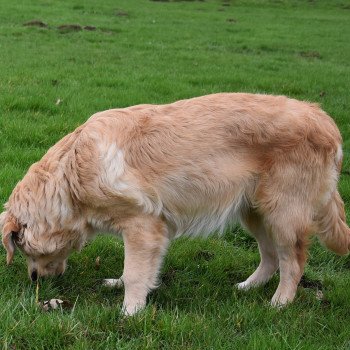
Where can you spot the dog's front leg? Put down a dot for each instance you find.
(145, 243)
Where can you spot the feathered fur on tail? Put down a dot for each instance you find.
(333, 231)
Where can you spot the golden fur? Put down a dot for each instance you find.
(155, 172)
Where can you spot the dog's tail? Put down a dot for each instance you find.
(333, 231)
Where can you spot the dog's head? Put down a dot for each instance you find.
(46, 252)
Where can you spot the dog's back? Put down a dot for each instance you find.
(201, 162)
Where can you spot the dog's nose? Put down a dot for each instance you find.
(34, 275)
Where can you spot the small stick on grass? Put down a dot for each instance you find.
(37, 292)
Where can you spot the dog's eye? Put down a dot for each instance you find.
(25, 226)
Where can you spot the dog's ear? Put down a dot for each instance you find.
(10, 232)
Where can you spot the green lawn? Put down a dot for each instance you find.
(52, 80)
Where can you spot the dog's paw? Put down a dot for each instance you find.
(279, 302)
(243, 286)
(113, 283)
(133, 308)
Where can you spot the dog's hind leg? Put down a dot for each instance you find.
(145, 243)
(290, 229)
(268, 256)
(291, 262)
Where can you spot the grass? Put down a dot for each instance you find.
(157, 52)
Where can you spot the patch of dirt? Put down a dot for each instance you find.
(90, 28)
(316, 286)
(306, 283)
(66, 28)
(121, 13)
(322, 93)
(35, 23)
(310, 54)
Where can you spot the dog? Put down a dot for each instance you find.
(151, 173)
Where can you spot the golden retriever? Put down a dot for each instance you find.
(151, 173)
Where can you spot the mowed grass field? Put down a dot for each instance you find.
(52, 80)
